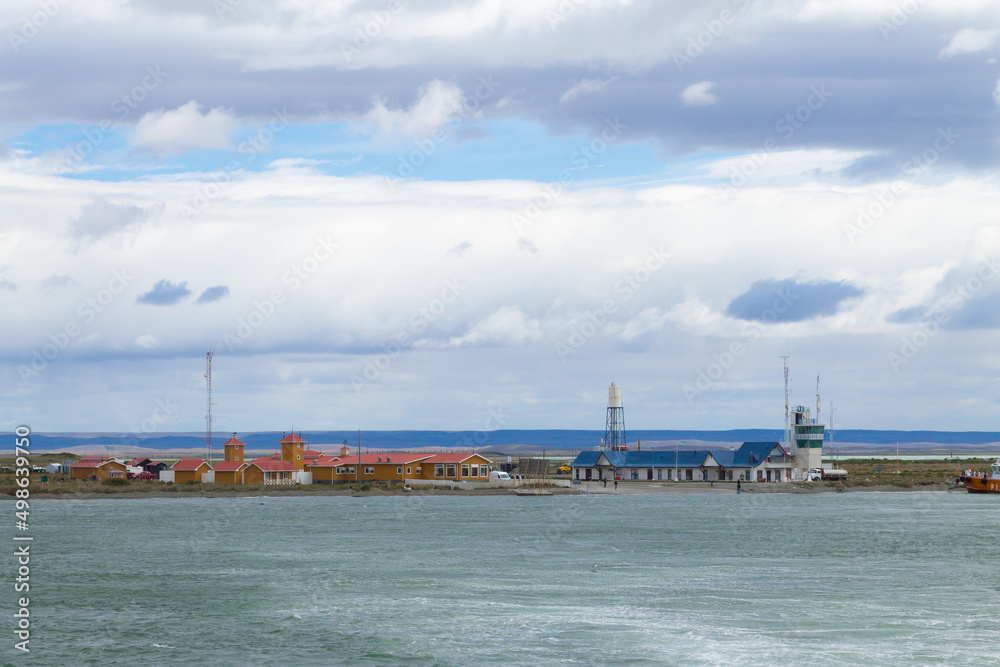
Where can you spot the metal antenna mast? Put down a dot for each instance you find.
(788, 428)
(817, 399)
(208, 413)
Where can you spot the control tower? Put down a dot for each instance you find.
(807, 439)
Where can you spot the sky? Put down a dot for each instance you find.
(479, 214)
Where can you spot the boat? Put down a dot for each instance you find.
(981, 482)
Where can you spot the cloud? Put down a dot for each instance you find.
(213, 294)
(101, 218)
(437, 102)
(996, 94)
(507, 326)
(7, 284)
(969, 40)
(699, 94)
(54, 281)
(165, 293)
(148, 342)
(184, 129)
(460, 248)
(585, 87)
(791, 301)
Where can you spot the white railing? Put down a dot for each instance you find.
(277, 482)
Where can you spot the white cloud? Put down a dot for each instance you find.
(184, 129)
(507, 326)
(148, 342)
(969, 40)
(585, 87)
(996, 93)
(699, 94)
(437, 102)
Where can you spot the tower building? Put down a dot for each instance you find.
(807, 439)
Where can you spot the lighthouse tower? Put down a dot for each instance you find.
(614, 430)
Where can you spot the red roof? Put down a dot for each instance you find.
(233, 441)
(453, 458)
(312, 453)
(189, 465)
(91, 463)
(271, 465)
(138, 463)
(327, 462)
(291, 437)
(229, 466)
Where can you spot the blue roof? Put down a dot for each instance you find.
(749, 455)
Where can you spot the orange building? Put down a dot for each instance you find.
(101, 468)
(233, 449)
(293, 450)
(230, 472)
(269, 471)
(400, 467)
(458, 467)
(189, 470)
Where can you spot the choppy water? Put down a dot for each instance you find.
(824, 579)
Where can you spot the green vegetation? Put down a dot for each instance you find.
(116, 481)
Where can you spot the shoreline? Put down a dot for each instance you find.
(591, 490)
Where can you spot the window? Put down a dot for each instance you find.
(439, 470)
(345, 470)
(408, 469)
(399, 470)
(690, 474)
(299, 456)
(659, 474)
(475, 471)
(465, 470)
(236, 458)
(419, 469)
(635, 474)
(369, 470)
(577, 471)
(451, 470)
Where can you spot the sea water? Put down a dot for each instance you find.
(676, 579)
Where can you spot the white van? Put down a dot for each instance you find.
(498, 474)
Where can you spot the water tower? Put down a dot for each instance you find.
(614, 430)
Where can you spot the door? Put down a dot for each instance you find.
(649, 475)
(588, 474)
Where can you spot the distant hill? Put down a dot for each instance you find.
(511, 440)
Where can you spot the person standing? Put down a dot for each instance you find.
(737, 487)
(616, 484)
